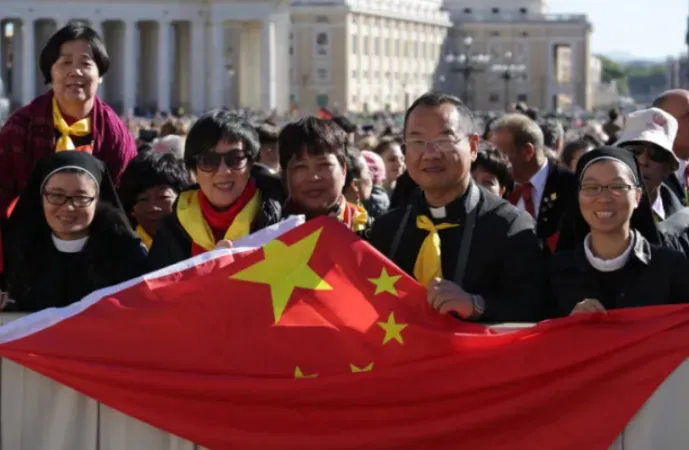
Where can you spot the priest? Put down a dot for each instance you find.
(478, 256)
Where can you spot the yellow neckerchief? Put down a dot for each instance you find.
(146, 238)
(79, 128)
(360, 219)
(428, 263)
(190, 216)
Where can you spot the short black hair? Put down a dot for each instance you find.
(567, 155)
(313, 135)
(492, 160)
(215, 126)
(552, 132)
(267, 133)
(73, 31)
(434, 99)
(150, 169)
(355, 166)
(345, 124)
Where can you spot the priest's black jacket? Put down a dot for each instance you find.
(506, 263)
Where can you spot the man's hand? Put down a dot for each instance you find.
(446, 297)
(224, 244)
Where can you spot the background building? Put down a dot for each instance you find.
(525, 54)
(369, 55)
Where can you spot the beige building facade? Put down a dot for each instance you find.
(364, 55)
(547, 55)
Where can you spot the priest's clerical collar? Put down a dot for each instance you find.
(453, 212)
(438, 213)
(74, 246)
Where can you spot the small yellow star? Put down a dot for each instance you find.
(385, 282)
(393, 330)
(284, 268)
(299, 374)
(356, 369)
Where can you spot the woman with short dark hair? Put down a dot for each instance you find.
(313, 157)
(68, 117)
(234, 196)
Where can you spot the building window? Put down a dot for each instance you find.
(525, 34)
(322, 74)
(365, 45)
(354, 99)
(386, 49)
(523, 98)
(495, 10)
(376, 46)
(355, 44)
(291, 50)
(354, 73)
(494, 98)
(494, 33)
(524, 11)
(467, 10)
(397, 48)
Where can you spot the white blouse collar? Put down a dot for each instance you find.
(607, 265)
(74, 246)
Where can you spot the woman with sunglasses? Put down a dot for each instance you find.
(608, 254)
(68, 235)
(233, 198)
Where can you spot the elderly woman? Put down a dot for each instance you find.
(68, 117)
(313, 155)
(608, 255)
(68, 235)
(378, 202)
(234, 197)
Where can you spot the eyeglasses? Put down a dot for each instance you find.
(654, 153)
(209, 161)
(78, 201)
(441, 145)
(616, 190)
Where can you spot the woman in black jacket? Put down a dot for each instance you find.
(609, 254)
(68, 235)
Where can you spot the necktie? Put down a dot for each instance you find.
(78, 128)
(428, 263)
(525, 192)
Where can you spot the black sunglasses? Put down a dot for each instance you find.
(654, 153)
(209, 161)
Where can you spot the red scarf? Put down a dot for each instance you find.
(220, 221)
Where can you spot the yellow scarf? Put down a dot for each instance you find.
(146, 239)
(360, 219)
(190, 216)
(428, 264)
(79, 128)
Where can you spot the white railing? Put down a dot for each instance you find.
(37, 413)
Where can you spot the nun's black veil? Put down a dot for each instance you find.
(573, 228)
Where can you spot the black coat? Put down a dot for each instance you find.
(675, 231)
(673, 183)
(654, 275)
(112, 254)
(506, 263)
(172, 243)
(671, 204)
(560, 190)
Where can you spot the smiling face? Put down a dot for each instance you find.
(69, 204)
(315, 182)
(222, 182)
(75, 73)
(152, 205)
(608, 196)
(439, 154)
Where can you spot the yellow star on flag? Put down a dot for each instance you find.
(284, 268)
(299, 374)
(385, 282)
(393, 330)
(356, 369)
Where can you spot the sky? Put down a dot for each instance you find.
(647, 29)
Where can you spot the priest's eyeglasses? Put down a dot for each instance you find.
(616, 190)
(446, 144)
(78, 201)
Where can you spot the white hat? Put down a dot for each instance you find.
(651, 125)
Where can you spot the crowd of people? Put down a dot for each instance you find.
(526, 219)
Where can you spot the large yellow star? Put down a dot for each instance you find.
(298, 373)
(393, 330)
(356, 369)
(385, 282)
(284, 268)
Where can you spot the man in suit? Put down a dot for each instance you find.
(543, 188)
(477, 255)
(676, 103)
(649, 134)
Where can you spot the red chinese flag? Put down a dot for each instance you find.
(316, 341)
(324, 114)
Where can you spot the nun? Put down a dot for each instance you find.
(610, 255)
(68, 235)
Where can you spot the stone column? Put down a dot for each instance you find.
(216, 85)
(198, 66)
(129, 67)
(28, 71)
(97, 25)
(164, 66)
(268, 64)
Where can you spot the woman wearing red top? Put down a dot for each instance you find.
(234, 196)
(68, 117)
